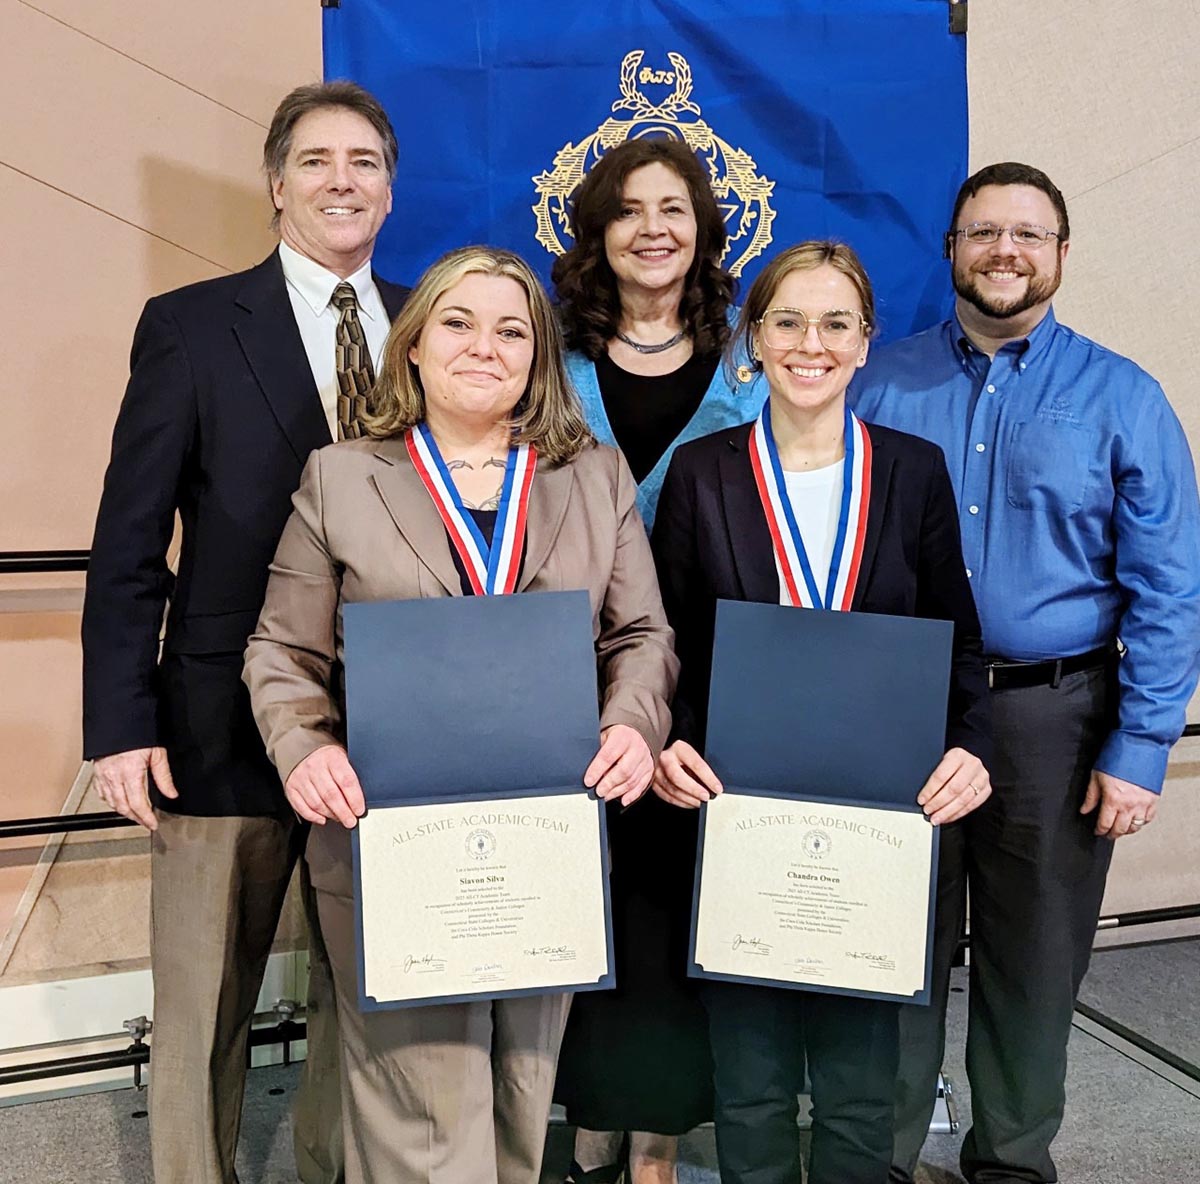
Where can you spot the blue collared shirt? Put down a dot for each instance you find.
(1078, 506)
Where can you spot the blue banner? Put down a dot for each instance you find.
(815, 118)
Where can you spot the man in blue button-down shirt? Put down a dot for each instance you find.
(1081, 529)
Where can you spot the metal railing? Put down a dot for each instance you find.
(286, 1031)
(23, 562)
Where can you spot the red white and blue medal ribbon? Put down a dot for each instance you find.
(844, 563)
(492, 571)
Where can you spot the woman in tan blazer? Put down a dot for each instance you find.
(457, 1093)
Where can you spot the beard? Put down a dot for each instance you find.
(1038, 290)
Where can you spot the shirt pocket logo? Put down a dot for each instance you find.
(1049, 465)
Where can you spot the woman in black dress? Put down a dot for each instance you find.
(646, 309)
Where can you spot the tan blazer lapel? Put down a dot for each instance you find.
(412, 510)
(548, 501)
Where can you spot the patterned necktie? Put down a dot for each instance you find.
(355, 374)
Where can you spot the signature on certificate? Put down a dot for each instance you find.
(424, 963)
(751, 945)
(548, 951)
(869, 956)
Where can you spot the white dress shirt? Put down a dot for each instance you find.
(816, 497)
(310, 287)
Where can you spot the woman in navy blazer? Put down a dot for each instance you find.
(807, 323)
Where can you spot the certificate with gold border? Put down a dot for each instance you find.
(483, 897)
(815, 894)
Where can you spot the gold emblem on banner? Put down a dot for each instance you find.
(742, 194)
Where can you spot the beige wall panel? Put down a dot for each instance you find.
(131, 142)
(133, 169)
(246, 59)
(91, 915)
(1106, 98)
(1144, 311)
(69, 373)
(39, 709)
(91, 912)
(39, 732)
(1085, 89)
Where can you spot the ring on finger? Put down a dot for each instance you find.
(975, 788)
(1139, 821)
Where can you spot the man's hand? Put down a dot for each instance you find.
(623, 766)
(1125, 808)
(323, 786)
(957, 786)
(120, 780)
(683, 777)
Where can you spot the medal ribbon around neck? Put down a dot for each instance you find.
(846, 559)
(492, 571)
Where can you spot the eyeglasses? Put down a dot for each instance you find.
(839, 329)
(1023, 234)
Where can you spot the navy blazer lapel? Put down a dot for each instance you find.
(266, 328)
(882, 460)
(745, 522)
(392, 295)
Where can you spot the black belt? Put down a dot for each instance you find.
(1004, 675)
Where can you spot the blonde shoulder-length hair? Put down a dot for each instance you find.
(548, 415)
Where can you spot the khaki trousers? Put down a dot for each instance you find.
(217, 887)
(454, 1094)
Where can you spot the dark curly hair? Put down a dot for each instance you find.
(584, 283)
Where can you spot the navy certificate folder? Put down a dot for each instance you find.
(827, 704)
(842, 706)
(474, 694)
(471, 699)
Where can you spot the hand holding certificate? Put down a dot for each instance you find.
(816, 867)
(814, 893)
(480, 862)
(496, 895)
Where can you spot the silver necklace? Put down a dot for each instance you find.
(661, 347)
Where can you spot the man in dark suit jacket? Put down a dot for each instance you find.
(234, 381)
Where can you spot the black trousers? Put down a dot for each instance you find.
(1036, 874)
(761, 1037)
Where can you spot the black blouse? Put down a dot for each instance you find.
(648, 412)
(486, 521)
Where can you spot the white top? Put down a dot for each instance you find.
(310, 287)
(816, 497)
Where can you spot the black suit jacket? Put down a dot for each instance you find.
(219, 416)
(711, 542)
